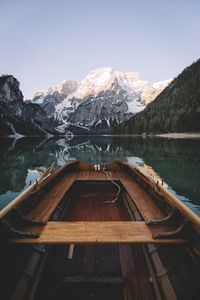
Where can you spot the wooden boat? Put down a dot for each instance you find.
(98, 232)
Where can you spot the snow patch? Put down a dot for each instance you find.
(125, 86)
(161, 84)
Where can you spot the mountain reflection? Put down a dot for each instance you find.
(175, 161)
(20, 156)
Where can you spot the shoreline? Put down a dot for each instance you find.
(182, 135)
(173, 135)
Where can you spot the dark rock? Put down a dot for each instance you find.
(17, 117)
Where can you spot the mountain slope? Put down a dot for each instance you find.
(176, 109)
(101, 101)
(17, 117)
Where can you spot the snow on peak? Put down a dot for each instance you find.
(102, 79)
(65, 86)
(124, 93)
(96, 81)
(161, 84)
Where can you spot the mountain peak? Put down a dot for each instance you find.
(102, 79)
(65, 86)
(97, 80)
(9, 89)
(104, 96)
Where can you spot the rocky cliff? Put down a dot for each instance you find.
(17, 117)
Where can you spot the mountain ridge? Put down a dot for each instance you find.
(103, 99)
(175, 109)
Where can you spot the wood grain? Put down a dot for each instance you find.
(96, 233)
(145, 204)
(51, 200)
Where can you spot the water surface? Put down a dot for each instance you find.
(177, 162)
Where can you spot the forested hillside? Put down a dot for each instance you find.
(176, 109)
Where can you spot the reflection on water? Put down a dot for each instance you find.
(177, 162)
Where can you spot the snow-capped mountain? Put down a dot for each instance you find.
(104, 98)
(61, 91)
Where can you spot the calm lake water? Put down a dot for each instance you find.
(177, 162)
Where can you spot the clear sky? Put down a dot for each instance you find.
(43, 42)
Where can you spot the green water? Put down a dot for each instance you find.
(177, 162)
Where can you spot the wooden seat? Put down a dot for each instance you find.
(51, 200)
(148, 209)
(110, 232)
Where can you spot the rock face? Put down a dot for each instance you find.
(9, 90)
(101, 101)
(49, 98)
(17, 117)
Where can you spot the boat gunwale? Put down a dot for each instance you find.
(41, 183)
(167, 196)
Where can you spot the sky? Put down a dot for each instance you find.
(46, 41)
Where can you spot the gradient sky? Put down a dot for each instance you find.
(46, 41)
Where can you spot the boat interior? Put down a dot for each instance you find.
(101, 234)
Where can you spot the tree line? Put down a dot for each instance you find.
(176, 109)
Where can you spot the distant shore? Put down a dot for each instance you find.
(174, 135)
(184, 135)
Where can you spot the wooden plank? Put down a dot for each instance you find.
(147, 207)
(89, 260)
(40, 183)
(96, 233)
(50, 201)
(96, 175)
(168, 196)
(164, 280)
(142, 274)
(18, 200)
(87, 206)
(134, 270)
(24, 194)
(131, 289)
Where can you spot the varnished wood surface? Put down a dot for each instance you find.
(43, 180)
(143, 201)
(135, 272)
(170, 198)
(89, 203)
(96, 175)
(147, 207)
(89, 223)
(96, 233)
(51, 200)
